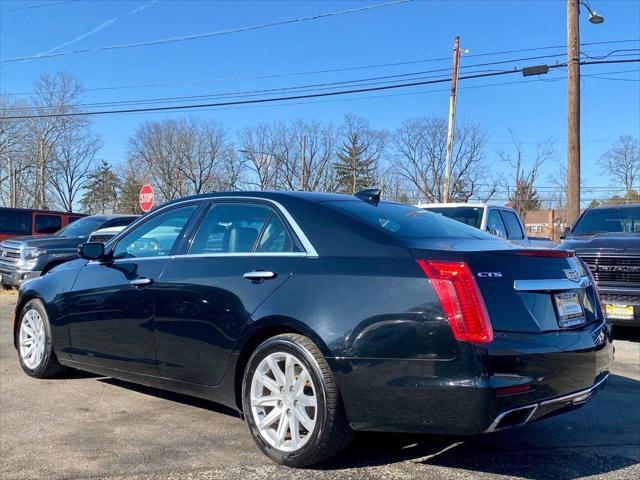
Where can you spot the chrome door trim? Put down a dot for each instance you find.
(310, 251)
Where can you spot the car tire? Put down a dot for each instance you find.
(304, 378)
(35, 343)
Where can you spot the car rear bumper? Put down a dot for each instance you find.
(463, 396)
(16, 278)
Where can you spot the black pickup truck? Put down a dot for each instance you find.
(607, 238)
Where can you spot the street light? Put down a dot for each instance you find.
(573, 103)
(593, 16)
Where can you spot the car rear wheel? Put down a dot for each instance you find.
(292, 404)
(35, 347)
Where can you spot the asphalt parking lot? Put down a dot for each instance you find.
(84, 426)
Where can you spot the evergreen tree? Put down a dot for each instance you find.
(101, 192)
(129, 195)
(357, 156)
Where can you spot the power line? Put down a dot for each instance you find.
(198, 36)
(359, 81)
(298, 97)
(342, 69)
(38, 6)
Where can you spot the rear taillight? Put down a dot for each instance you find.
(595, 286)
(461, 299)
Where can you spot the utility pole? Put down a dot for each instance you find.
(303, 164)
(573, 111)
(452, 115)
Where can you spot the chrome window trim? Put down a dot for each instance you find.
(550, 284)
(310, 251)
(203, 255)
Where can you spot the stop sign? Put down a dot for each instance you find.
(146, 198)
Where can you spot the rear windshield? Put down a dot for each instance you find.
(469, 215)
(407, 222)
(15, 222)
(609, 220)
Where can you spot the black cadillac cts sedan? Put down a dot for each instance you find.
(316, 315)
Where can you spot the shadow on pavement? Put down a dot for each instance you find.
(550, 449)
(631, 334)
(174, 397)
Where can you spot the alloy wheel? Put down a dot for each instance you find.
(284, 402)
(32, 339)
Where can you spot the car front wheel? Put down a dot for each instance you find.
(35, 346)
(292, 404)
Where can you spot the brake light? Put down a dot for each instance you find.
(461, 299)
(546, 253)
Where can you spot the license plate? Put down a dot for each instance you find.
(623, 312)
(569, 307)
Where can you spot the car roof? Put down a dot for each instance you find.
(623, 206)
(452, 205)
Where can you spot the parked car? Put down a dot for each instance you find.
(24, 258)
(608, 239)
(16, 222)
(319, 314)
(503, 222)
(103, 235)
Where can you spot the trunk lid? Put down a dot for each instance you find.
(525, 291)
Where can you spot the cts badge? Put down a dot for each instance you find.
(490, 274)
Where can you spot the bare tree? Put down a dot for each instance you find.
(264, 149)
(13, 162)
(421, 145)
(53, 95)
(72, 165)
(185, 156)
(520, 189)
(622, 163)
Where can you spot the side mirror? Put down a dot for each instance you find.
(565, 232)
(91, 251)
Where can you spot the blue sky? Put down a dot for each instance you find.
(535, 109)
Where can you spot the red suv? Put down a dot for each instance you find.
(24, 221)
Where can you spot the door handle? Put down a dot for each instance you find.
(259, 275)
(141, 282)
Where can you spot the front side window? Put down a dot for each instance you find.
(156, 237)
(513, 225)
(48, 223)
(495, 225)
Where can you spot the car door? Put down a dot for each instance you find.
(240, 254)
(514, 228)
(112, 303)
(495, 225)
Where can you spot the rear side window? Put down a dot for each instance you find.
(513, 225)
(15, 222)
(495, 225)
(48, 223)
(404, 221)
(230, 228)
(275, 238)
(469, 215)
